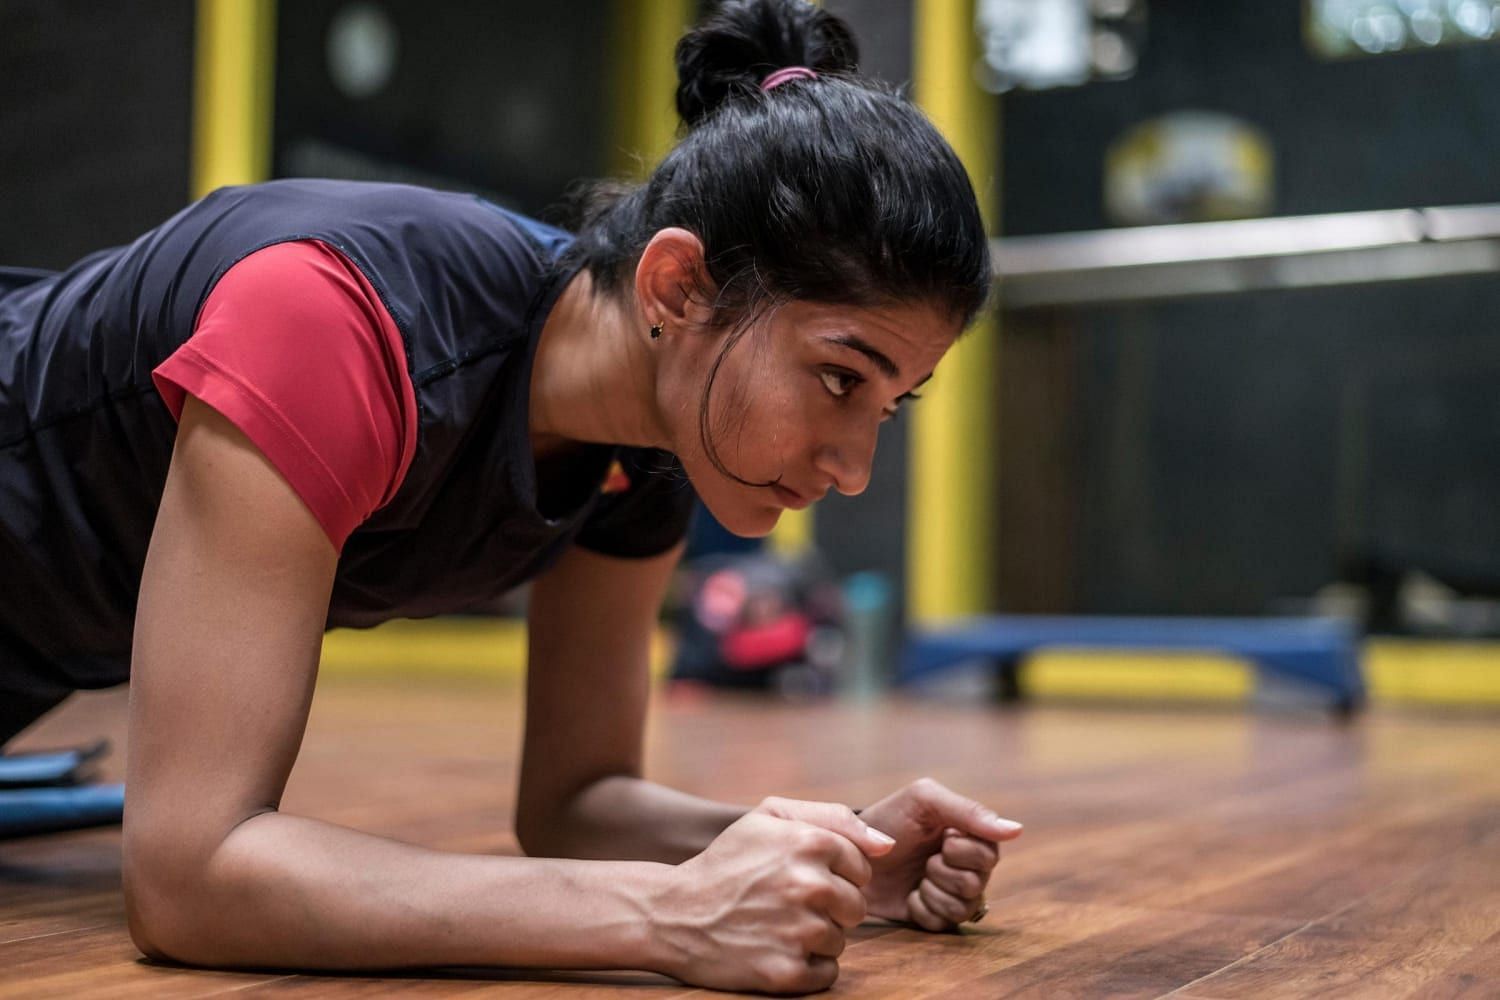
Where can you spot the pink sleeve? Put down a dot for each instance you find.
(296, 349)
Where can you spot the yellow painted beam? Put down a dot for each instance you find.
(477, 646)
(951, 465)
(232, 93)
(1431, 672)
(1398, 671)
(1163, 676)
(645, 82)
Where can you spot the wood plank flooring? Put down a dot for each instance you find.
(1197, 854)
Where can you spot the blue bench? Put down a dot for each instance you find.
(25, 812)
(1321, 652)
(43, 790)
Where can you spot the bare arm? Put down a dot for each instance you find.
(582, 794)
(231, 614)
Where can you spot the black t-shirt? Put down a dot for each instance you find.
(85, 440)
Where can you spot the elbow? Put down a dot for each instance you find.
(536, 834)
(549, 832)
(181, 892)
(142, 933)
(539, 819)
(567, 826)
(162, 908)
(150, 917)
(578, 823)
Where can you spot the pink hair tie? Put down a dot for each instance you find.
(781, 76)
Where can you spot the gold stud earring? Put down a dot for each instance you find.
(656, 330)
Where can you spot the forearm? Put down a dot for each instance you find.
(628, 818)
(291, 892)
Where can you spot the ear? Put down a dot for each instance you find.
(671, 281)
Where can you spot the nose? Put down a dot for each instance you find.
(847, 459)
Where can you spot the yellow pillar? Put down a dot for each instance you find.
(645, 82)
(232, 93)
(951, 457)
(794, 534)
(645, 88)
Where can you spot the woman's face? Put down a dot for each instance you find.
(799, 400)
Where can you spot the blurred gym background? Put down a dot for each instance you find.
(1233, 420)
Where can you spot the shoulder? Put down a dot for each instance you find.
(358, 213)
(295, 347)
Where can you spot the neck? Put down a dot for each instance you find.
(594, 376)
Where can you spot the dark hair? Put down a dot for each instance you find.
(833, 190)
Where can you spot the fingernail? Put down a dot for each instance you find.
(880, 838)
(1005, 825)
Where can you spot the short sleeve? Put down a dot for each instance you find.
(296, 349)
(647, 507)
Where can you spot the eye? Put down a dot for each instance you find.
(839, 383)
(895, 411)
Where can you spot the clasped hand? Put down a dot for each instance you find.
(946, 848)
(767, 904)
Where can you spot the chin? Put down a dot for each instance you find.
(754, 522)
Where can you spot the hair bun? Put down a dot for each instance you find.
(745, 41)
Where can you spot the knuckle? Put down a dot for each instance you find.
(956, 880)
(937, 901)
(958, 850)
(939, 917)
(805, 886)
(972, 854)
(811, 932)
(925, 919)
(860, 909)
(813, 839)
(783, 974)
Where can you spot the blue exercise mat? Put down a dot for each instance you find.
(48, 767)
(27, 811)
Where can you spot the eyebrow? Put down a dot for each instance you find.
(886, 365)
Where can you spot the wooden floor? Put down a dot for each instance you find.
(1193, 853)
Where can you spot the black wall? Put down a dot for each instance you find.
(505, 98)
(867, 532)
(1410, 128)
(1214, 455)
(95, 119)
(1233, 450)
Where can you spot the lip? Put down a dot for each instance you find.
(790, 499)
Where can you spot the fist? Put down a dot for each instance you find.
(947, 846)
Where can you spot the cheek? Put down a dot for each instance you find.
(756, 410)
(760, 414)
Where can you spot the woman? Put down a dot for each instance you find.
(328, 403)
